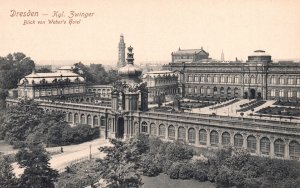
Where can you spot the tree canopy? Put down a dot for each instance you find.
(38, 172)
(96, 73)
(13, 67)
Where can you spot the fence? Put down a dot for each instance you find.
(79, 160)
(51, 151)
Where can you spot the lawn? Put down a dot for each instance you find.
(163, 180)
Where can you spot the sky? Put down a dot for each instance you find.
(154, 28)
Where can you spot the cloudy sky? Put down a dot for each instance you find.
(154, 28)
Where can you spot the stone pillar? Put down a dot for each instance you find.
(220, 138)
(187, 135)
(258, 145)
(125, 128)
(244, 141)
(231, 138)
(166, 132)
(208, 137)
(272, 154)
(197, 141)
(176, 132)
(286, 149)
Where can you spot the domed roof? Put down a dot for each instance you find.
(259, 53)
(129, 70)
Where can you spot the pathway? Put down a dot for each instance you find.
(71, 153)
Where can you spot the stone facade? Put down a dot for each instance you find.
(258, 77)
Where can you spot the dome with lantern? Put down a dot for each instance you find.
(129, 70)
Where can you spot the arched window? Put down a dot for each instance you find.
(273, 93)
(144, 127)
(215, 90)
(214, 138)
(265, 146)
(225, 139)
(95, 121)
(203, 137)
(222, 91)
(236, 92)
(281, 80)
(281, 93)
(89, 119)
(290, 94)
(251, 144)
(294, 150)
(162, 131)
(70, 117)
(208, 90)
(290, 81)
(273, 80)
(171, 132)
(192, 135)
(236, 79)
(229, 91)
(279, 148)
(152, 129)
(181, 134)
(201, 90)
(82, 119)
(238, 140)
(102, 121)
(76, 118)
(196, 78)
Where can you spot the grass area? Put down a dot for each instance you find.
(284, 111)
(80, 175)
(163, 180)
(4, 146)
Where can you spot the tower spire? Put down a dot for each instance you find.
(122, 46)
(222, 56)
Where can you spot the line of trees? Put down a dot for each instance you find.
(27, 123)
(227, 168)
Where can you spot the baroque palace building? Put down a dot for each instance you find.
(257, 78)
(128, 113)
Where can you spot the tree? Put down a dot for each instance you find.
(37, 171)
(13, 67)
(120, 165)
(7, 177)
(43, 70)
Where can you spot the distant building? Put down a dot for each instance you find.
(189, 55)
(122, 46)
(161, 85)
(259, 77)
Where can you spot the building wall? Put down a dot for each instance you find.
(270, 81)
(260, 137)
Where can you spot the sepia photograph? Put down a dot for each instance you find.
(150, 94)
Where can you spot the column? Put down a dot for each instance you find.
(258, 145)
(176, 132)
(231, 138)
(197, 136)
(220, 138)
(208, 137)
(166, 132)
(272, 154)
(244, 141)
(187, 135)
(287, 149)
